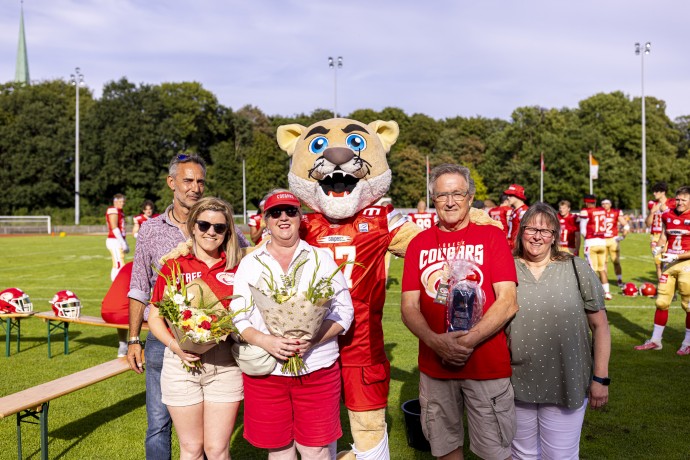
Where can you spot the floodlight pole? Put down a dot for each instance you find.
(335, 65)
(641, 52)
(77, 79)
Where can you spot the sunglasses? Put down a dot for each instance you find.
(218, 228)
(276, 212)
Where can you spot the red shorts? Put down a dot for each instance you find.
(278, 410)
(366, 388)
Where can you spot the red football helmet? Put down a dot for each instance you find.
(630, 290)
(648, 290)
(66, 304)
(14, 300)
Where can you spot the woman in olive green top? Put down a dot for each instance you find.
(554, 369)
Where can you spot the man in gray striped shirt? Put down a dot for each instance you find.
(157, 237)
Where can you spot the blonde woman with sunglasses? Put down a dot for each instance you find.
(203, 403)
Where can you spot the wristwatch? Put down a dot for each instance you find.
(603, 380)
(134, 341)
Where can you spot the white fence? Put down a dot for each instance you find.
(25, 224)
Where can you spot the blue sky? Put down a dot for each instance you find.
(443, 58)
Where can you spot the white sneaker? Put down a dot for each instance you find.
(122, 350)
(684, 350)
(608, 296)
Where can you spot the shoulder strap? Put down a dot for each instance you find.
(577, 277)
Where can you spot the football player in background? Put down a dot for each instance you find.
(503, 213)
(569, 240)
(422, 217)
(657, 206)
(116, 243)
(257, 225)
(147, 212)
(592, 225)
(674, 248)
(614, 219)
(516, 199)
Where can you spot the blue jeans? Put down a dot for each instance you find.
(159, 431)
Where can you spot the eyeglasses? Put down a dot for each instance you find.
(276, 212)
(218, 228)
(457, 196)
(543, 232)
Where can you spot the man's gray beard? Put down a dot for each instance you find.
(366, 193)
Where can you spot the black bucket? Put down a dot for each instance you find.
(413, 426)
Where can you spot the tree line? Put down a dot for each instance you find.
(128, 136)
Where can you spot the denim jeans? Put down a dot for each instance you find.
(159, 431)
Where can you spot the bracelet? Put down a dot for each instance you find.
(134, 342)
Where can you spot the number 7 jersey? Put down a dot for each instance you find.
(362, 240)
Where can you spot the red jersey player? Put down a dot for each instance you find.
(614, 218)
(116, 243)
(674, 246)
(656, 207)
(516, 197)
(503, 213)
(593, 226)
(257, 226)
(147, 213)
(569, 240)
(422, 218)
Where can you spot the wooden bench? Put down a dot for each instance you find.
(12, 321)
(61, 323)
(32, 403)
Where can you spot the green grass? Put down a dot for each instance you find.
(647, 416)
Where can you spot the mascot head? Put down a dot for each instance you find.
(339, 166)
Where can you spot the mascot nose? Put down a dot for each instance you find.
(338, 155)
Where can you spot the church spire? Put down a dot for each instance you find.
(22, 73)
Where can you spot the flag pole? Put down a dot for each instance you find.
(427, 181)
(541, 178)
(590, 173)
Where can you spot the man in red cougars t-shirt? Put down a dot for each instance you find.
(458, 368)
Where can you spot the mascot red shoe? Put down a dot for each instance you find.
(339, 169)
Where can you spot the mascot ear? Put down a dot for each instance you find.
(387, 131)
(288, 135)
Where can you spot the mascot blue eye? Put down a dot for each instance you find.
(356, 142)
(318, 145)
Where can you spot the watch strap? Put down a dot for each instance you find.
(603, 380)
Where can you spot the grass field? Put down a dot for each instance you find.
(647, 417)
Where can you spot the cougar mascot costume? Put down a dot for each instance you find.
(339, 170)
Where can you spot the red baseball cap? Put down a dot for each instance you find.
(281, 198)
(515, 190)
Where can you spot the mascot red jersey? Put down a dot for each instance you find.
(339, 169)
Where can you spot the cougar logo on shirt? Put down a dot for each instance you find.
(226, 278)
(434, 267)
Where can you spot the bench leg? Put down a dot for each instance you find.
(42, 415)
(19, 334)
(8, 328)
(58, 325)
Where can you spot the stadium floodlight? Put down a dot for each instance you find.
(638, 51)
(335, 65)
(77, 79)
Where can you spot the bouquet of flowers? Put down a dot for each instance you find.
(196, 317)
(293, 314)
(466, 298)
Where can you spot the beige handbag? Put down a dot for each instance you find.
(252, 359)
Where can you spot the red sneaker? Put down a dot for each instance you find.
(684, 350)
(650, 345)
